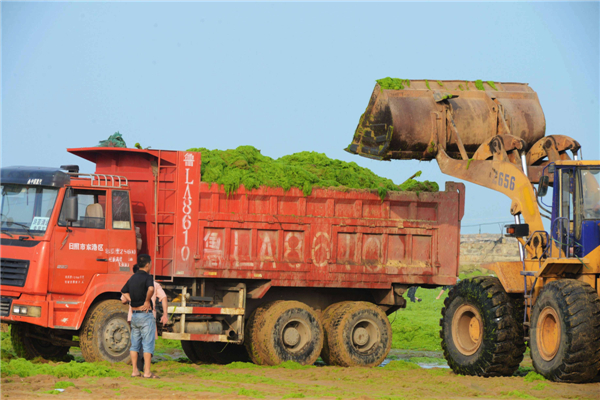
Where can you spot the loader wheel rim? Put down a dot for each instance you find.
(295, 335)
(116, 336)
(365, 334)
(548, 333)
(467, 329)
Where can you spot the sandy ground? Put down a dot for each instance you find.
(184, 380)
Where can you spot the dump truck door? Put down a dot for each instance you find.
(80, 250)
(122, 243)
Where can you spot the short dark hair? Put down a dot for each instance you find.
(135, 268)
(143, 260)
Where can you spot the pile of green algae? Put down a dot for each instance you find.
(305, 170)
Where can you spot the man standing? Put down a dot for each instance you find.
(139, 290)
(159, 294)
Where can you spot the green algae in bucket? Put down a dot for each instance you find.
(305, 170)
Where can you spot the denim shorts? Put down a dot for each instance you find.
(143, 330)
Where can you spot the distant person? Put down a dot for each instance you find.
(411, 294)
(445, 288)
(162, 297)
(138, 291)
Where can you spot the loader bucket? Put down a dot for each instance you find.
(414, 118)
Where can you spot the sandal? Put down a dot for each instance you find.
(153, 376)
(136, 376)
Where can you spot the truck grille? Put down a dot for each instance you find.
(5, 303)
(13, 272)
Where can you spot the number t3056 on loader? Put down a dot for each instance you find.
(493, 135)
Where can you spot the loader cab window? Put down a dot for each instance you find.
(91, 208)
(121, 214)
(590, 182)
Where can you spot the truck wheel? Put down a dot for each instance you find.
(194, 351)
(105, 334)
(226, 353)
(253, 326)
(359, 334)
(480, 333)
(325, 320)
(29, 347)
(286, 331)
(565, 332)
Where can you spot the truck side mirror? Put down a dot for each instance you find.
(70, 209)
(543, 186)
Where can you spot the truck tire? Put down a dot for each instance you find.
(325, 320)
(286, 331)
(29, 348)
(565, 332)
(252, 330)
(195, 352)
(359, 334)
(480, 331)
(105, 334)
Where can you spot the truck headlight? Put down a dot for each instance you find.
(30, 311)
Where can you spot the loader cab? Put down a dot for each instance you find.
(575, 215)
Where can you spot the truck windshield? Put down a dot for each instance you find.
(26, 209)
(590, 180)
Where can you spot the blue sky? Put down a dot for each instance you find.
(284, 77)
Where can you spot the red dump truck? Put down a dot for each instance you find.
(266, 274)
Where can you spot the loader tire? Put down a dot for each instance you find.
(29, 347)
(325, 320)
(481, 334)
(359, 334)
(565, 332)
(105, 334)
(194, 351)
(286, 331)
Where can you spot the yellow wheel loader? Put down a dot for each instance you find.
(493, 134)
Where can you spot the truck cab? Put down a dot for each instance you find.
(68, 245)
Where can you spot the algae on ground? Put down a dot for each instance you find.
(305, 170)
(24, 368)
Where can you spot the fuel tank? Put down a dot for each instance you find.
(405, 118)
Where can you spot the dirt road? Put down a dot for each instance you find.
(397, 380)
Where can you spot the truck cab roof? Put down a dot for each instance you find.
(42, 176)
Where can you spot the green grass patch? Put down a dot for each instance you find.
(162, 345)
(427, 360)
(63, 384)
(242, 365)
(87, 390)
(400, 365)
(417, 326)
(533, 376)
(53, 391)
(24, 368)
(187, 370)
(517, 393)
(540, 386)
(293, 365)
(251, 393)
(294, 396)
(438, 371)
